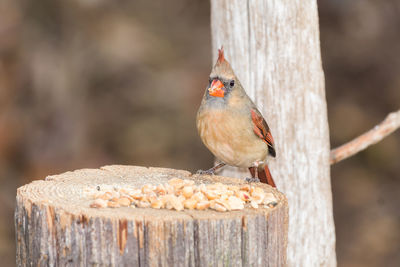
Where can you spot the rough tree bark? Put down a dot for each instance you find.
(273, 47)
(56, 227)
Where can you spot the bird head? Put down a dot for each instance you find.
(222, 78)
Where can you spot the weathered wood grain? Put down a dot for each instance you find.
(273, 47)
(56, 227)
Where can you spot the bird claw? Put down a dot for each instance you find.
(252, 180)
(207, 172)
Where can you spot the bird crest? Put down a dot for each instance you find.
(221, 57)
(222, 68)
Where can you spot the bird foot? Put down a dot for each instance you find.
(207, 172)
(252, 180)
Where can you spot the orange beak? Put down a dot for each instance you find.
(216, 88)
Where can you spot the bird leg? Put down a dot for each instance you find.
(212, 170)
(253, 178)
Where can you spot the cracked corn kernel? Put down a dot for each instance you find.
(99, 203)
(124, 201)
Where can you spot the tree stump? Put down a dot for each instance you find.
(55, 225)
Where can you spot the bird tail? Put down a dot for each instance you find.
(265, 176)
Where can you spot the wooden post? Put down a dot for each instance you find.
(55, 225)
(273, 47)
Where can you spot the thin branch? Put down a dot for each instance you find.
(373, 136)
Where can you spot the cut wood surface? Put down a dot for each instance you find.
(55, 225)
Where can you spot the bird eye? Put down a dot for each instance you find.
(232, 83)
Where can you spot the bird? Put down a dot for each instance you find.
(231, 126)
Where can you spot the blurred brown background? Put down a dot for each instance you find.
(84, 83)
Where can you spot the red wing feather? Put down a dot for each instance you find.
(261, 129)
(269, 138)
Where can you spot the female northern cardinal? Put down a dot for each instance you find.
(231, 126)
